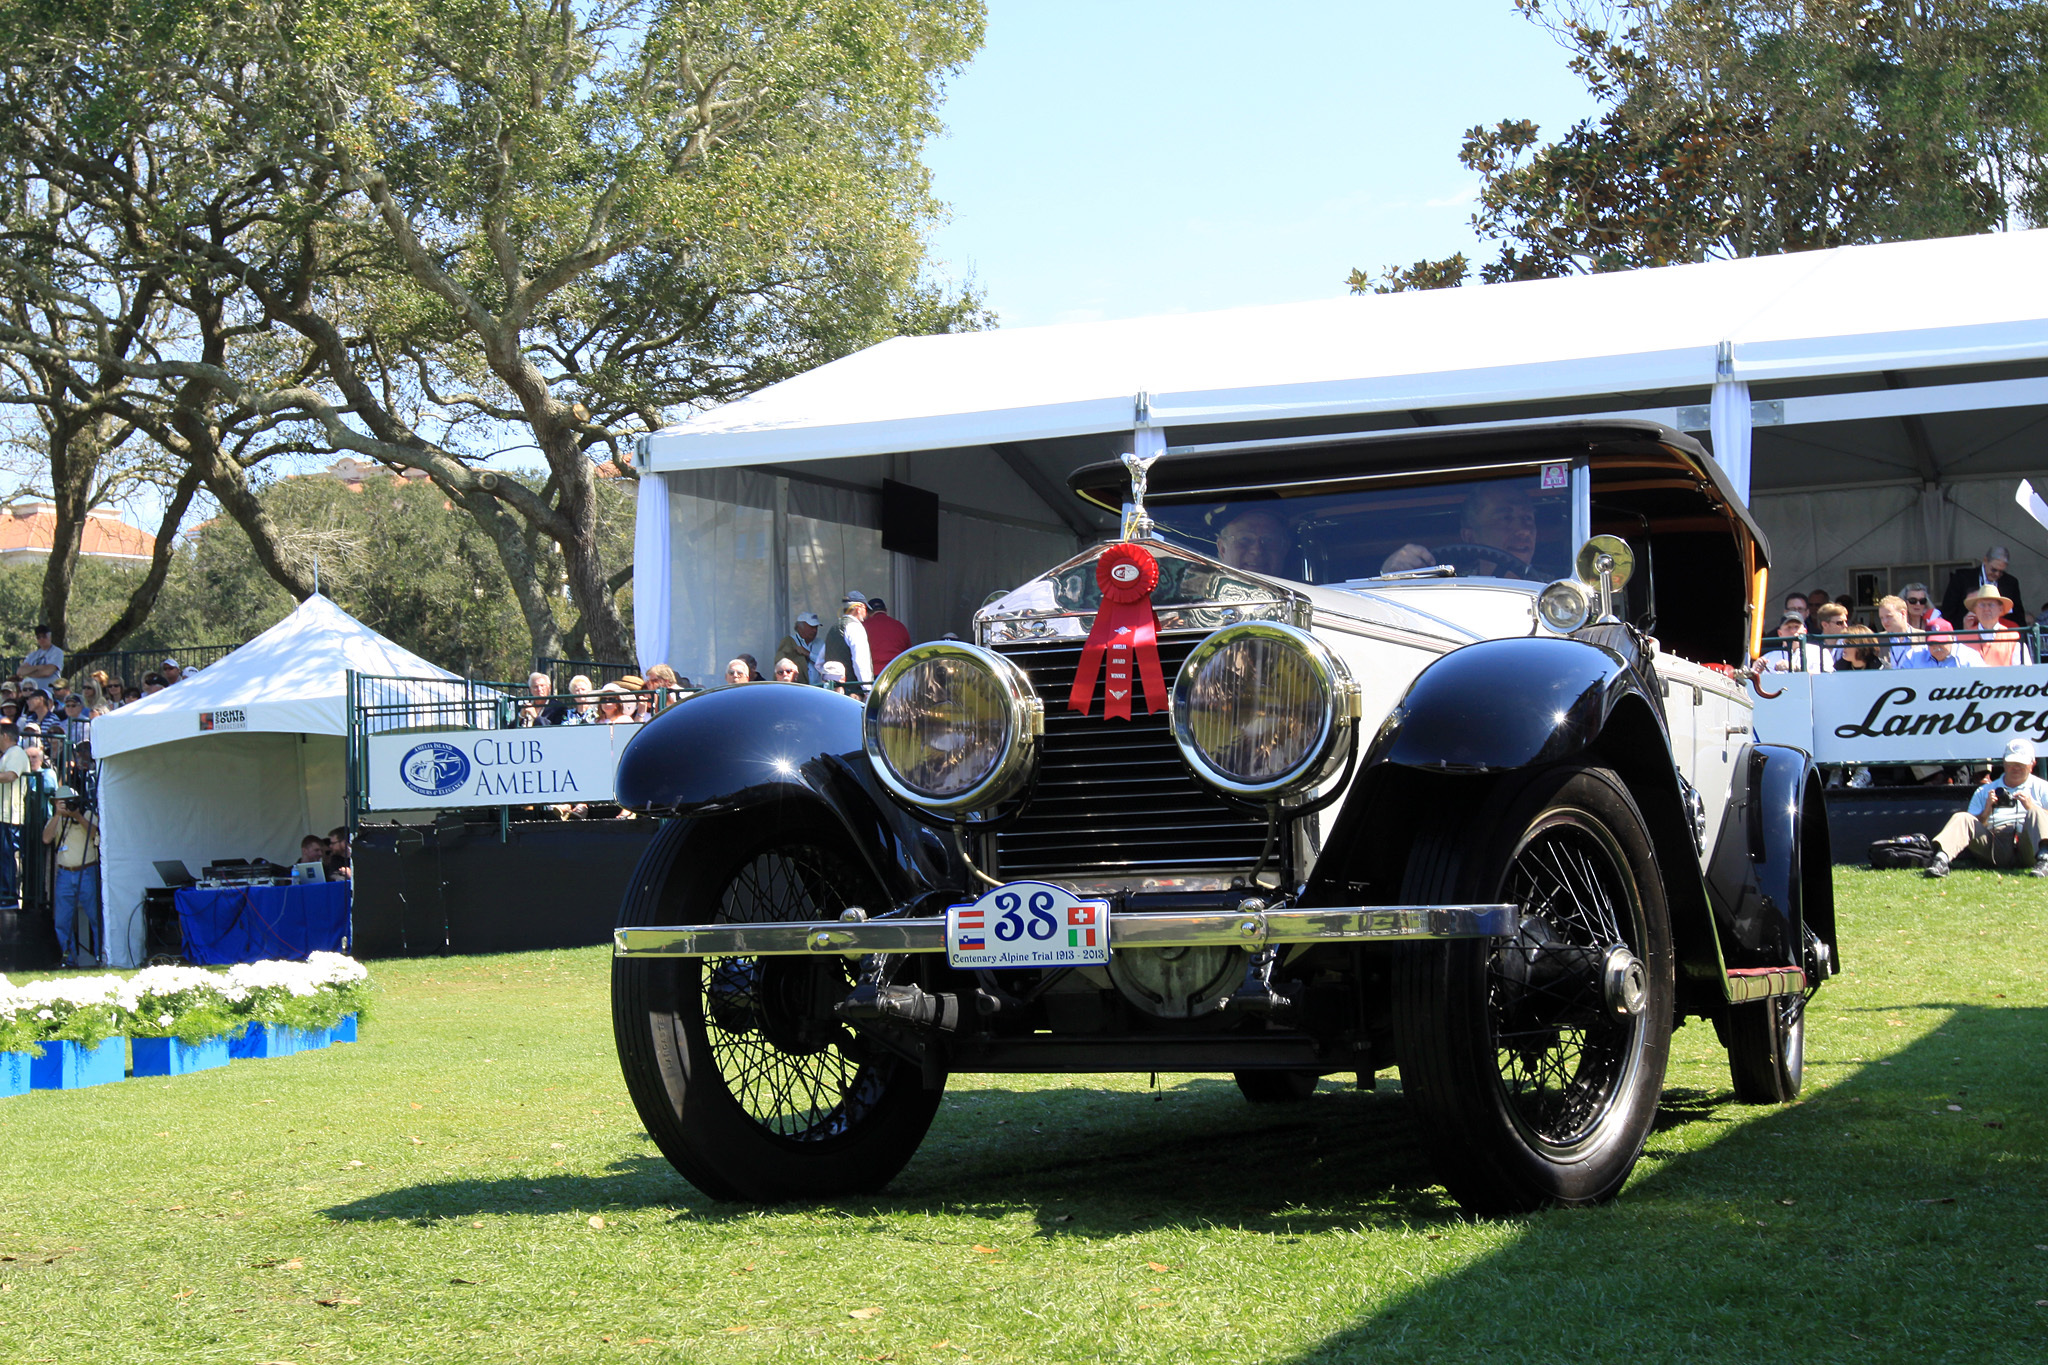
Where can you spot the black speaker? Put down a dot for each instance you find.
(163, 936)
(910, 520)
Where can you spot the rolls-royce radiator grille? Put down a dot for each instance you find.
(1113, 796)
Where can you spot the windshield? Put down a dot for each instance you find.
(1517, 526)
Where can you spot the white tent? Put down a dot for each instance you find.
(1876, 405)
(242, 759)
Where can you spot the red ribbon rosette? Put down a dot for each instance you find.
(1125, 634)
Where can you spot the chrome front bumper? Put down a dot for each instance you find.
(1241, 928)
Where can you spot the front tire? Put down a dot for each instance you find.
(1535, 1063)
(749, 1084)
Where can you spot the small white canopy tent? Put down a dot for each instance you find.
(242, 759)
(1876, 405)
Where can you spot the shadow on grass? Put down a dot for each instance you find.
(1897, 1214)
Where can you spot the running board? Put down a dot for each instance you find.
(1249, 929)
(1761, 983)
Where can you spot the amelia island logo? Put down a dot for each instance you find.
(434, 768)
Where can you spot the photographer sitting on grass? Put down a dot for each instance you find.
(2007, 823)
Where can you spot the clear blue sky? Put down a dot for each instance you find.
(1117, 158)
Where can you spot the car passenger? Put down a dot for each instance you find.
(1256, 541)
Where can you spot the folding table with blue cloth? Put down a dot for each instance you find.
(256, 923)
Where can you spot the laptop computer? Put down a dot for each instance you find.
(174, 872)
(303, 873)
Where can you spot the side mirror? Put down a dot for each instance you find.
(1605, 563)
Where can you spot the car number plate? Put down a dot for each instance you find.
(1028, 924)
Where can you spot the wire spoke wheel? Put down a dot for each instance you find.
(788, 1064)
(1563, 1056)
(746, 1078)
(1535, 1061)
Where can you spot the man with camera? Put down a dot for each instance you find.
(2007, 822)
(74, 833)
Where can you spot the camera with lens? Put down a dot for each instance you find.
(2003, 796)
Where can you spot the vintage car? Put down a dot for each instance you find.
(1424, 750)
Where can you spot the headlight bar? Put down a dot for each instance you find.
(1241, 928)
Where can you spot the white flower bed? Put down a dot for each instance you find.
(191, 1003)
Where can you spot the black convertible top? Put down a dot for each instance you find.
(1259, 466)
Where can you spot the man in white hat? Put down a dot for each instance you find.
(805, 644)
(1985, 610)
(2007, 822)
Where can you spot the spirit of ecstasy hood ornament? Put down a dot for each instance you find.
(1137, 521)
(1148, 444)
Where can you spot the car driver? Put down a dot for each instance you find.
(1498, 517)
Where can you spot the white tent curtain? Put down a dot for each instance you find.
(721, 570)
(1729, 422)
(651, 590)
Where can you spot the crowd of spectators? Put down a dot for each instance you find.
(845, 657)
(1979, 624)
(46, 765)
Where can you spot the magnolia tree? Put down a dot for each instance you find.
(433, 232)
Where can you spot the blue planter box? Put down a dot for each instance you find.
(275, 1040)
(345, 1031)
(176, 1057)
(14, 1068)
(67, 1066)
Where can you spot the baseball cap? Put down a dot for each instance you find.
(1791, 616)
(2020, 751)
(876, 604)
(171, 663)
(834, 670)
(65, 794)
(808, 618)
(855, 595)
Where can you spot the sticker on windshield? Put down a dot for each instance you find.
(1557, 476)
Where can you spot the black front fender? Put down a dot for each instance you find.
(761, 747)
(1504, 704)
(1489, 708)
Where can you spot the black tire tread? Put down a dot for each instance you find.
(1440, 1030)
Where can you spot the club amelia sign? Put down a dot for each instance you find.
(552, 766)
(1907, 715)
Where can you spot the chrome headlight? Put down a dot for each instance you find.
(1564, 606)
(1261, 709)
(952, 727)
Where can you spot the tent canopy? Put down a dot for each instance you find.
(1873, 405)
(248, 786)
(291, 679)
(1866, 310)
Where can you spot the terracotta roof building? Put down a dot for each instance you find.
(27, 530)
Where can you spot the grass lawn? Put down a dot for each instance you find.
(469, 1183)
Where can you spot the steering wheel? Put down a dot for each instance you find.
(1469, 550)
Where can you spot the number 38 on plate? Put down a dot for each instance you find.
(1028, 924)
